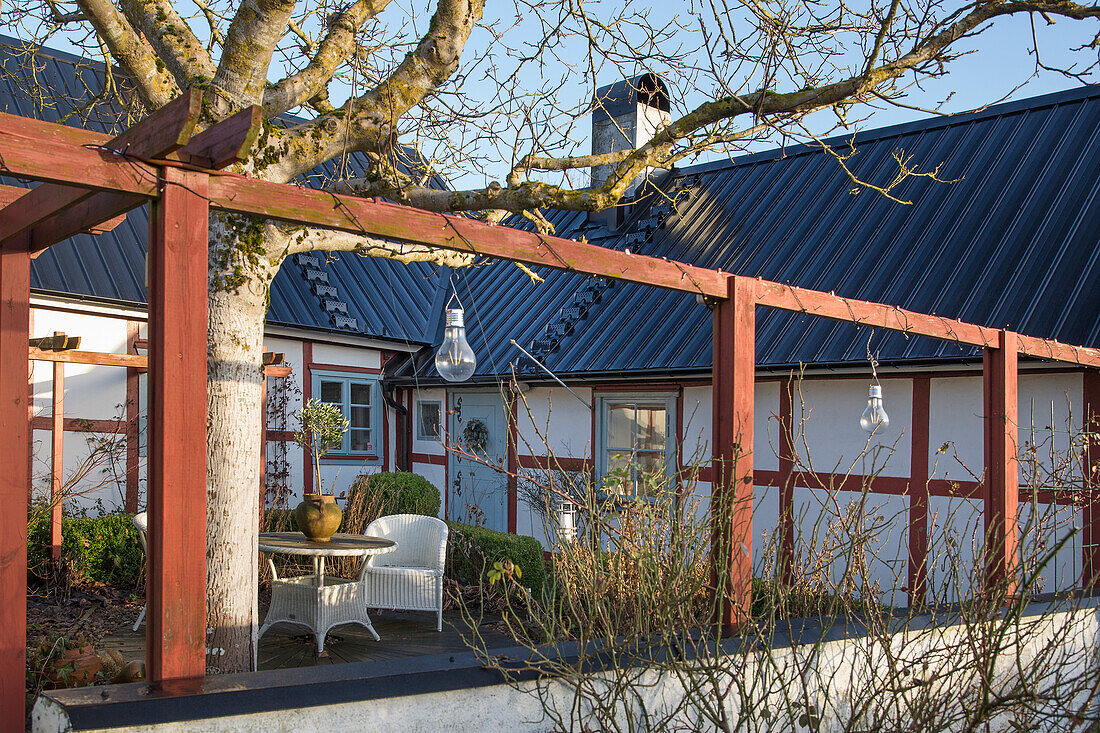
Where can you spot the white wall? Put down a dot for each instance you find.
(99, 393)
(826, 413)
(828, 440)
(91, 393)
(1049, 649)
(551, 421)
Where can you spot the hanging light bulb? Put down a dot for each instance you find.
(875, 415)
(455, 360)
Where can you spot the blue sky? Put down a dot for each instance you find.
(998, 63)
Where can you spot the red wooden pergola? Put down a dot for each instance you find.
(90, 179)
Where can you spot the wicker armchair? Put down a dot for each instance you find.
(141, 524)
(410, 579)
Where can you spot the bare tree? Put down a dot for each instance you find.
(386, 77)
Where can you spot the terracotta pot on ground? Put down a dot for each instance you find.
(318, 517)
(75, 667)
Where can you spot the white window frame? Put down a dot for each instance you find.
(603, 404)
(373, 456)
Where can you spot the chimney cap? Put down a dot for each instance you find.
(622, 96)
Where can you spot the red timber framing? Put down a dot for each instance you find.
(1002, 475)
(918, 491)
(1090, 567)
(786, 479)
(57, 454)
(184, 193)
(133, 400)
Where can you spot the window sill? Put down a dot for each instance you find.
(345, 459)
(624, 501)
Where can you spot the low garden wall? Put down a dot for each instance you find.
(825, 669)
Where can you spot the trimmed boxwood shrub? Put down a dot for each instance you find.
(471, 551)
(397, 492)
(101, 549)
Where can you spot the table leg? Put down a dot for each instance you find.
(321, 574)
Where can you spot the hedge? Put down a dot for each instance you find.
(101, 549)
(398, 492)
(471, 551)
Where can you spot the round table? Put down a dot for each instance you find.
(308, 600)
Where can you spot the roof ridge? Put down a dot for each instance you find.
(1027, 104)
(50, 52)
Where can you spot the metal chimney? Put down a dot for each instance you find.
(626, 115)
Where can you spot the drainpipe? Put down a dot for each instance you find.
(401, 455)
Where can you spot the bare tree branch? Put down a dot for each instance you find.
(172, 39)
(246, 55)
(370, 121)
(298, 89)
(324, 240)
(156, 86)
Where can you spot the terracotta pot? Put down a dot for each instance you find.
(75, 667)
(318, 517)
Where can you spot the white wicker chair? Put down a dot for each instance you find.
(141, 523)
(410, 579)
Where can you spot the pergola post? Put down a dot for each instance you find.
(1002, 481)
(15, 294)
(176, 589)
(733, 385)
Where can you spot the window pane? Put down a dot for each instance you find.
(429, 420)
(360, 440)
(652, 427)
(620, 473)
(332, 392)
(620, 427)
(651, 471)
(360, 417)
(360, 393)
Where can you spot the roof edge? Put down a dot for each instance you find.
(1027, 104)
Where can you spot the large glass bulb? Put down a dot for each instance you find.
(875, 414)
(455, 360)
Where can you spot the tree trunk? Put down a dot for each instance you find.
(235, 376)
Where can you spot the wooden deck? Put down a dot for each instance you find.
(403, 635)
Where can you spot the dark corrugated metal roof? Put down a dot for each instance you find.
(1012, 241)
(369, 297)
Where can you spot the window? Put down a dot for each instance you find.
(358, 398)
(427, 420)
(636, 442)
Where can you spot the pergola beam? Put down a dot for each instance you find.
(33, 150)
(162, 132)
(460, 234)
(56, 211)
(133, 361)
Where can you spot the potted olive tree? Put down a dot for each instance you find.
(323, 426)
